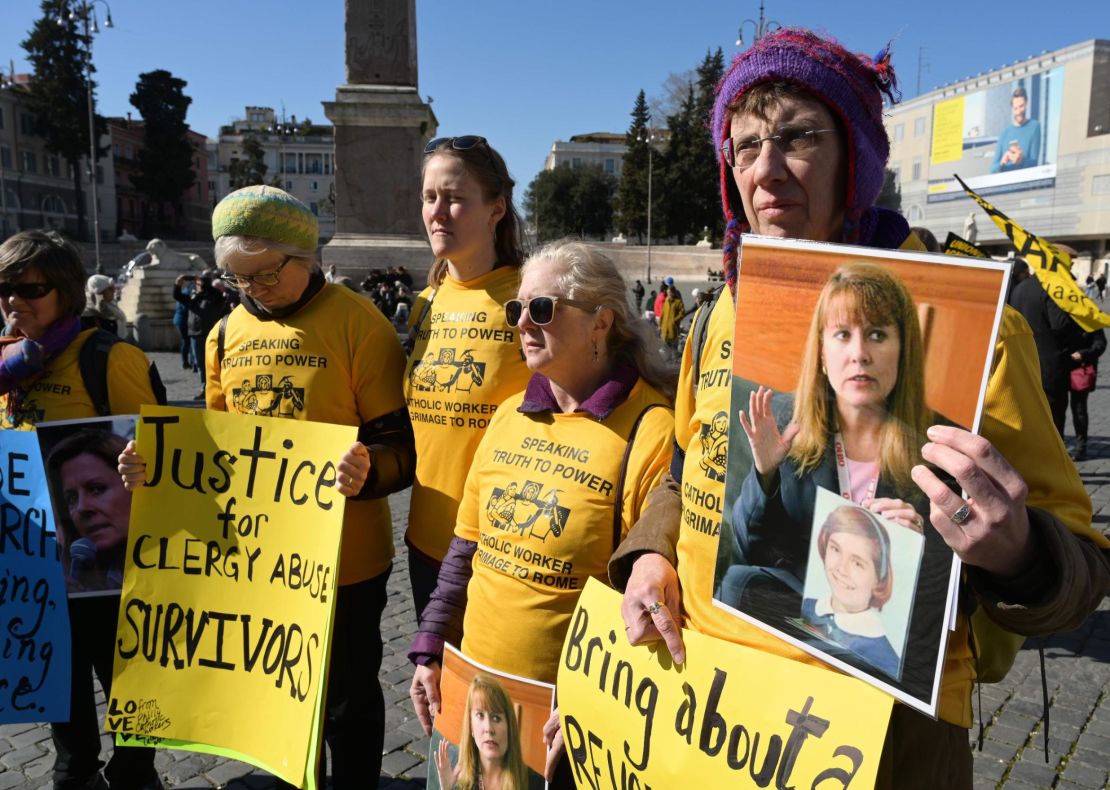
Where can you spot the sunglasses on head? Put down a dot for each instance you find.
(463, 142)
(541, 309)
(25, 290)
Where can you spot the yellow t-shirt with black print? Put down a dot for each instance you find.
(336, 360)
(60, 394)
(465, 362)
(539, 503)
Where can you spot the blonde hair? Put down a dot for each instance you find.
(590, 276)
(871, 295)
(490, 693)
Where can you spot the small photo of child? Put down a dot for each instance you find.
(860, 582)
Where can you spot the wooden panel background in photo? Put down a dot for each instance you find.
(532, 704)
(955, 304)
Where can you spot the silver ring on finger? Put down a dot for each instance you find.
(961, 515)
(655, 607)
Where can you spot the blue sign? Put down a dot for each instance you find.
(34, 619)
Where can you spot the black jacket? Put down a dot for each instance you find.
(1054, 331)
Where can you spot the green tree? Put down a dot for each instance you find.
(891, 195)
(251, 169)
(632, 192)
(166, 158)
(707, 198)
(570, 201)
(682, 179)
(58, 96)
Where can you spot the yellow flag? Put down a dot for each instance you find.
(229, 588)
(1051, 265)
(731, 716)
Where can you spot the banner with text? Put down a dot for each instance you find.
(1051, 265)
(729, 717)
(34, 618)
(229, 587)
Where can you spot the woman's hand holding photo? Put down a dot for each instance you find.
(896, 510)
(424, 693)
(991, 529)
(132, 467)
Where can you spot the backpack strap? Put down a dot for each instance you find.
(698, 331)
(221, 338)
(618, 500)
(414, 332)
(92, 361)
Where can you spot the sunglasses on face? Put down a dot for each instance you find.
(792, 143)
(242, 281)
(25, 290)
(541, 309)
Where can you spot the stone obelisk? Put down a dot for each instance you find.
(381, 128)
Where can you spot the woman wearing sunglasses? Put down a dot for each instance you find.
(42, 295)
(464, 360)
(558, 478)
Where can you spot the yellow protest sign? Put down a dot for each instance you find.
(1051, 265)
(948, 131)
(229, 587)
(730, 716)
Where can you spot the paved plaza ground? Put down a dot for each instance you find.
(1078, 666)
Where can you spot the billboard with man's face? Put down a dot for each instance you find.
(1000, 139)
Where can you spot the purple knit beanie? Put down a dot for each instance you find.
(850, 86)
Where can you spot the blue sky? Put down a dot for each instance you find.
(526, 73)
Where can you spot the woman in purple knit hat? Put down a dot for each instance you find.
(802, 149)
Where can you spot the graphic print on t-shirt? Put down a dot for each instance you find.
(714, 446)
(27, 413)
(263, 396)
(527, 510)
(448, 373)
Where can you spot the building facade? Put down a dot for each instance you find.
(1031, 137)
(601, 149)
(299, 157)
(136, 215)
(36, 185)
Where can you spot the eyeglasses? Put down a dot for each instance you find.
(25, 290)
(793, 143)
(541, 309)
(242, 281)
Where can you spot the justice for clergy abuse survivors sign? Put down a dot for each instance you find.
(229, 588)
(729, 717)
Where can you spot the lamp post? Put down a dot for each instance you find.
(761, 28)
(647, 136)
(4, 82)
(85, 11)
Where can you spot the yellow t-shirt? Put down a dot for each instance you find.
(336, 360)
(1015, 421)
(466, 360)
(539, 503)
(60, 394)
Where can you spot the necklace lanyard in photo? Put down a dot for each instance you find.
(842, 476)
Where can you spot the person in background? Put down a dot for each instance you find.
(927, 238)
(1100, 281)
(205, 306)
(1057, 337)
(1091, 289)
(181, 324)
(474, 232)
(1083, 380)
(1019, 144)
(798, 121)
(101, 309)
(670, 320)
(638, 293)
(657, 305)
(42, 295)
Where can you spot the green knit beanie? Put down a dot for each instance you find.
(266, 213)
